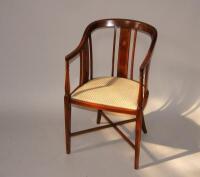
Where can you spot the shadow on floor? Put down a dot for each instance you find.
(168, 127)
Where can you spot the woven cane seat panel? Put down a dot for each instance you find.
(109, 91)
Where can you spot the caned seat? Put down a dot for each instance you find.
(109, 91)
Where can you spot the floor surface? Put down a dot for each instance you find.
(32, 144)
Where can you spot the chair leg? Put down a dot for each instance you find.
(99, 116)
(144, 128)
(137, 139)
(67, 108)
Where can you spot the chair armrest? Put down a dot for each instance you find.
(67, 74)
(68, 58)
(144, 64)
(75, 52)
(144, 67)
(144, 72)
(78, 49)
(149, 53)
(81, 50)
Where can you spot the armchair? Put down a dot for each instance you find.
(120, 93)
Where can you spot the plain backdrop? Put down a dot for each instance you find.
(34, 38)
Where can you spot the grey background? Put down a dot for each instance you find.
(34, 38)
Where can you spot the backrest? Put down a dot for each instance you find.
(126, 50)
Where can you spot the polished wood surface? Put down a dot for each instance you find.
(84, 64)
(127, 29)
(133, 53)
(123, 57)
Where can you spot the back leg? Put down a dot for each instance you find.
(99, 116)
(144, 128)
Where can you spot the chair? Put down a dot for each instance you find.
(120, 93)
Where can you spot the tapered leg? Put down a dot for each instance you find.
(137, 139)
(144, 128)
(67, 108)
(99, 116)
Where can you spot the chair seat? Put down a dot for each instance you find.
(109, 91)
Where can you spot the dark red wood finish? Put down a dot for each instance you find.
(133, 53)
(84, 64)
(84, 50)
(123, 57)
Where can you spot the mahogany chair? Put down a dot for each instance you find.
(120, 93)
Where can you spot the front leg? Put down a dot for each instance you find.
(67, 107)
(138, 138)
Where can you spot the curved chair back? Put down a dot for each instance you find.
(127, 28)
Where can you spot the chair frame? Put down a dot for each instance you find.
(84, 50)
